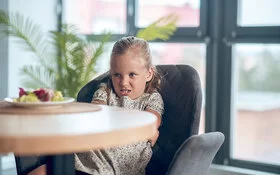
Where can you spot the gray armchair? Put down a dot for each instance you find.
(196, 154)
(182, 96)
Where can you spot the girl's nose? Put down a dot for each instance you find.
(124, 81)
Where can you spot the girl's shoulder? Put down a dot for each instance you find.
(155, 102)
(155, 94)
(154, 97)
(103, 85)
(102, 93)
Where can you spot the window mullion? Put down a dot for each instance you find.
(218, 78)
(130, 14)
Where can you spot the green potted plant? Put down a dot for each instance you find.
(66, 61)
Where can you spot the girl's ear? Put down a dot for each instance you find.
(150, 74)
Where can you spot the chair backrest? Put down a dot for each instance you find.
(182, 96)
(24, 164)
(196, 154)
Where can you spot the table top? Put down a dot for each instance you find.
(89, 126)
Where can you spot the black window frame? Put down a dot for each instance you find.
(235, 34)
(243, 34)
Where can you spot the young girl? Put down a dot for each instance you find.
(133, 85)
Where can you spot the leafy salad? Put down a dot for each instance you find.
(39, 95)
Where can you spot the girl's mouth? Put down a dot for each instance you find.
(125, 92)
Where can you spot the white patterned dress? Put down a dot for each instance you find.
(130, 159)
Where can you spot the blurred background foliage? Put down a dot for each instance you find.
(65, 61)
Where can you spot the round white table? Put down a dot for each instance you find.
(74, 127)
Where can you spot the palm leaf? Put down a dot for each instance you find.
(162, 29)
(94, 58)
(73, 64)
(37, 76)
(70, 58)
(71, 47)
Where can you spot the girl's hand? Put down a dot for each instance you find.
(98, 102)
(153, 140)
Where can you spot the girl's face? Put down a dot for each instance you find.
(129, 75)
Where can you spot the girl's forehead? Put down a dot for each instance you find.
(128, 57)
(129, 65)
(134, 53)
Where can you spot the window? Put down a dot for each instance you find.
(258, 13)
(257, 103)
(188, 12)
(96, 16)
(253, 94)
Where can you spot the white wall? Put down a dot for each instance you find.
(3, 58)
(43, 13)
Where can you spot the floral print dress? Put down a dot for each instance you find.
(130, 159)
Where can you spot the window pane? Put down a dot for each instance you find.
(150, 11)
(191, 54)
(258, 13)
(257, 103)
(96, 16)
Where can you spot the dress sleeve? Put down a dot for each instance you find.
(101, 93)
(155, 103)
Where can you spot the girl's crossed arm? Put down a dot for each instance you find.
(155, 137)
(98, 102)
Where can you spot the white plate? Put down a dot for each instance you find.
(39, 104)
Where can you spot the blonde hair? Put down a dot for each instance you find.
(142, 48)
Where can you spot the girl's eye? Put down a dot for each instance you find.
(132, 74)
(117, 75)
